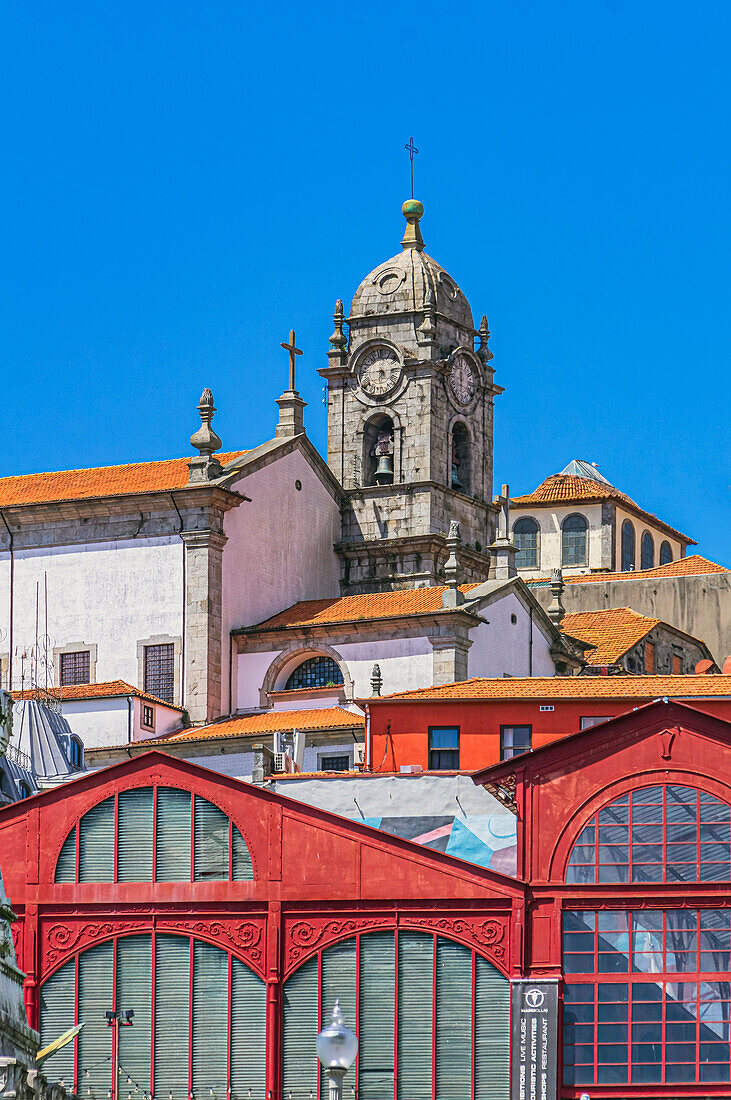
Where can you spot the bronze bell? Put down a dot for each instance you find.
(384, 470)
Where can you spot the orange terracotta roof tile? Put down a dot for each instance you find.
(571, 687)
(109, 690)
(611, 632)
(569, 488)
(99, 481)
(326, 718)
(692, 566)
(373, 605)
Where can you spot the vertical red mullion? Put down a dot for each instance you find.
(434, 1018)
(395, 1014)
(664, 849)
(78, 834)
(116, 831)
(596, 847)
(115, 942)
(154, 833)
(630, 844)
(152, 1011)
(192, 837)
(698, 833)
(319, 1015)
(664, 967)
(76, 1021)
(230, 1027)
(357, 1009)
(190, 1019)
(474, 1024)
(230, 850)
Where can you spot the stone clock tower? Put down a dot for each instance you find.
(410, 424)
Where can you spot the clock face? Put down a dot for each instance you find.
(379, 371)
(462, 379)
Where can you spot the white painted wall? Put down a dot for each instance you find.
(405, 663)
(111, 594)
(98, 722)
(502, 648)
(279, 551)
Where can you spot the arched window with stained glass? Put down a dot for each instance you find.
(666, 553)
(315, 672)
(525, 537)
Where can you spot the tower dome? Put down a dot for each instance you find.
(412, 283)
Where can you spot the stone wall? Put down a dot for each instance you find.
(698, 605)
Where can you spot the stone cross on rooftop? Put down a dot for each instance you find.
(293, 350)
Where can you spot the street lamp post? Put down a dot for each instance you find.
(337, 1047)
(117, 1018)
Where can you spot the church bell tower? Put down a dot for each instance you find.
(410, 424)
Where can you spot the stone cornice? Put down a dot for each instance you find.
(107, 519)
(425, 624)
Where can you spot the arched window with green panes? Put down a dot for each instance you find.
(199, 1025)
(425, 1008)
(154, 834)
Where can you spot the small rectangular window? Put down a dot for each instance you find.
(677, 665)
(148, 716)
(649, 657)
(443, 748)
(594, 720)
(160, 671)
(514, 740)
(335, 763)
(75, 668)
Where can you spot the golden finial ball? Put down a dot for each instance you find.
(412, 208)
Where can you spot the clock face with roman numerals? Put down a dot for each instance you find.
(462, 379)
(378, 371)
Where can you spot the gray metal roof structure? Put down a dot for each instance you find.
(578, 468)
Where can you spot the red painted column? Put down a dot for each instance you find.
(30, 964)
(274, 999)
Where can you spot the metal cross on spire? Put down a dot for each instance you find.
(293, 350)
(412, 153)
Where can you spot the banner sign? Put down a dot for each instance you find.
(534, 1041)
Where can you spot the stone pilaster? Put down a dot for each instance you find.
(449, 656)
(203, 623)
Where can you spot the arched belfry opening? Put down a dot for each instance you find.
(461, 459)
(378, 451)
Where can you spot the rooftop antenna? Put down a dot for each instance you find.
(412, 151)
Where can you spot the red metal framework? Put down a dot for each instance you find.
(317, 877)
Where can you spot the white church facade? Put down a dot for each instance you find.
(178, 579)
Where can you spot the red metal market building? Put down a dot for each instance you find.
(230, 918)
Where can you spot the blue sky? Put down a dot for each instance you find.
(183, 183)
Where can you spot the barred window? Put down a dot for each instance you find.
(316, 672)
(160, 671)
(75, 668)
